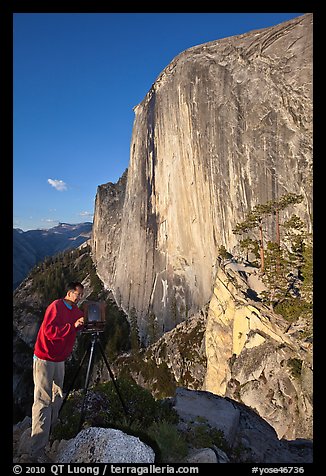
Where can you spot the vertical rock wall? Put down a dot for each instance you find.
(250, 357)
(227, 125)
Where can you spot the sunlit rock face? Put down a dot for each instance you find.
(254, 357)
(226, 125)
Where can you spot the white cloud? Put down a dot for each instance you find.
(86, 214)
(49, 220)
(58, 184)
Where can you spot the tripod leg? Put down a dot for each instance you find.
(86, 383)
(74, 379)
(112, 377)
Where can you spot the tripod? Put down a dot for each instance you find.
(94, 340)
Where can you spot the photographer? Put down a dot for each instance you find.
(54, 344)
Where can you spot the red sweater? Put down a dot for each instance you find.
(57, 334)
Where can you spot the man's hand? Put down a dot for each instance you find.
(79, 322)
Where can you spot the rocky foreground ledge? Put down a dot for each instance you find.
(255, 439)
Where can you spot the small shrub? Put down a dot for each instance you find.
(223, 253)
(293, 308)
(295, 367)
(166, 384)
(135, 399)
(172, 445)
(103, 408)
(202, 435)
(140, 404)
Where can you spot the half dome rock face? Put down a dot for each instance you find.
(227, 125)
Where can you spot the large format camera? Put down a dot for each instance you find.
(94, 316)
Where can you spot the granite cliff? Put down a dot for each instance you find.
(226, 125)
(257, 357)
(236, 347)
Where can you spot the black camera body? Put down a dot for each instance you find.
(94, 316)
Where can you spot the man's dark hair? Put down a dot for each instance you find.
(73, 285)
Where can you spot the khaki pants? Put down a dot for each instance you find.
(48, 395)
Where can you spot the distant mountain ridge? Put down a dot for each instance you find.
(32, 246)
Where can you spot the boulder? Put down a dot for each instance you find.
(216, 411)
(105, 445)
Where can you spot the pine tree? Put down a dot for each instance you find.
(277, 267)
(275, 206)
(284, 202)
(294, 237)
(254, 220)
(249, 246)
(261, 212)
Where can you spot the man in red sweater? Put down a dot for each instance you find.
(54, 344)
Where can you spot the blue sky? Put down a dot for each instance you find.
(76, 79)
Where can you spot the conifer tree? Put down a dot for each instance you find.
(249, 246)
(254, 220)
(274, 207)
(277, 267)
(281, 204)
(261, 212)
(294, 237)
